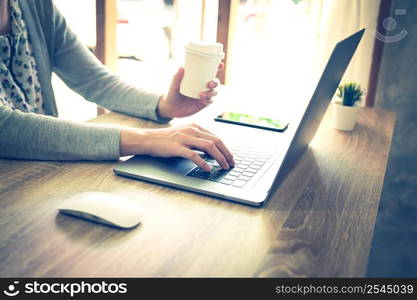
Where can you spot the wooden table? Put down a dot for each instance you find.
(318, 222)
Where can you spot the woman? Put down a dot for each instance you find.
(36, 41)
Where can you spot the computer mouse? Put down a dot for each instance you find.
(103, 208)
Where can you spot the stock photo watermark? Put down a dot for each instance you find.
(390, 24)
(62, 288)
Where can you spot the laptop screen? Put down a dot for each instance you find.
(328, 83)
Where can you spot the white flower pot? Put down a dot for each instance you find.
(344, 117)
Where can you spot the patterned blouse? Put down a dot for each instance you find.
(19, 87)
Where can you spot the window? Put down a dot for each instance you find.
(276, 52)
(280, 48)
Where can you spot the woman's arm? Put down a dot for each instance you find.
(85, 74)
(33, 136)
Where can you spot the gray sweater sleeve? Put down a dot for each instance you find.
(33, 136)
(83, 72)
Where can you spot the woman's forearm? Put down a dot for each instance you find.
(32, 136)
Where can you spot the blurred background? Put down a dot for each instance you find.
(275, 51)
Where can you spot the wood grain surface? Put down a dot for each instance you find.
(318, 222)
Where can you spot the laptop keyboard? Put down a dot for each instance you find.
(247, 163)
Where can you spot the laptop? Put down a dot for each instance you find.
(261, 156)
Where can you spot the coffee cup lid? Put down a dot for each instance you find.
(209, 48)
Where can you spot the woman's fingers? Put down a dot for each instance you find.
(202, 133)
(220, 145)
(196, 158)
(210, 148)
(176, 80)
(211, 85)
(207, 95)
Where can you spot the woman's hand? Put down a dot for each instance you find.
(176, 141)
(174, 104)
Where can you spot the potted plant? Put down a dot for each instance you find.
(345, 110)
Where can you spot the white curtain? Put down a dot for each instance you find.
(337, 20)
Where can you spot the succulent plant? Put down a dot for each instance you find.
(350, 93)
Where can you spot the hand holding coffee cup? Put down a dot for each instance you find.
(192, 90)
(201, 65)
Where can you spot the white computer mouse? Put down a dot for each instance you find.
(103, 208)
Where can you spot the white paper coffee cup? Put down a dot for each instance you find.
(201, 64)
